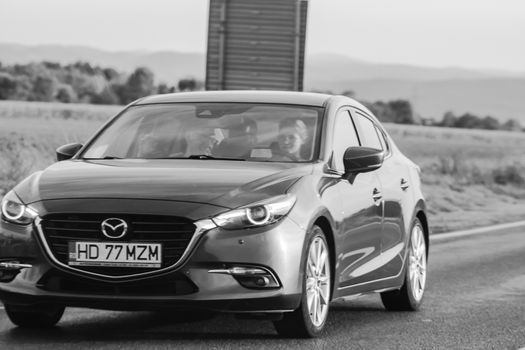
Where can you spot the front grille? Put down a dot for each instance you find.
(174, 233)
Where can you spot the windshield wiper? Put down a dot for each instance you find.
(207, 156)
(105, 157)
(193, 156)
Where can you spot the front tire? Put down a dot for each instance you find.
(34, 317)
(309, 319)
(410, 296)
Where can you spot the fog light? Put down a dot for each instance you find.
(251, 277)
(262, 281)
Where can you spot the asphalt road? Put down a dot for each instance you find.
(475, 300)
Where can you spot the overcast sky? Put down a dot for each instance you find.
(466, 33)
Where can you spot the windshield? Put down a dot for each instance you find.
(236, 131)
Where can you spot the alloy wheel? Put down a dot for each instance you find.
(417, 263)
(318, 281)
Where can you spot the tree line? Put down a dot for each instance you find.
(81, 82)
(401, 112)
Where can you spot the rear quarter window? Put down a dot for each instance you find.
(368, 133)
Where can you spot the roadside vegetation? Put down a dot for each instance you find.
(470, 177)
(82, 82)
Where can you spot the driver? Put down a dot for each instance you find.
(200, 140)
(197, 140)
(242, 137)
(151, 146)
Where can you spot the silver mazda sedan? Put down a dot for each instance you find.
(263, 204)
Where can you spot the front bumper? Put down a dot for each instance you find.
(270, 304)
(278, 248)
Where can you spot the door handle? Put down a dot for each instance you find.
(404, 184)
(377, 196)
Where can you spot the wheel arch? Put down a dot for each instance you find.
(420, 213)
(325, 224)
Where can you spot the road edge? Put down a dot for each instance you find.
(475, 231)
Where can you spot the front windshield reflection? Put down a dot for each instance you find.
(254, 132)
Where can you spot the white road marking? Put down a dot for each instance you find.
(475, 231)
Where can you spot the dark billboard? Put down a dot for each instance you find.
(256, 44)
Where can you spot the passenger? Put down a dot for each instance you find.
(200, 140)
(241, 139)
(151, 146)
(293, 134)
(195, 140)
(158, 138)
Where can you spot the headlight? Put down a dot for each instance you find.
(258, 214)
(13, 210)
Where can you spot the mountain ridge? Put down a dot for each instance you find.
(432, 91)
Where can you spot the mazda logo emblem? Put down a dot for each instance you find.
(114, 228)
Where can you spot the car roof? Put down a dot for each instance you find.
(251, 96)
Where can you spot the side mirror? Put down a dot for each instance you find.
(362, 159)
(67, 151)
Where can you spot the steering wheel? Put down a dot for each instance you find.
(281, 154)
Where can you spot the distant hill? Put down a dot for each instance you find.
(502, 98)
(433, 91)
(168, 66)
(329, 67)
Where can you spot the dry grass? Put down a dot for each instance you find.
(58, 111)
(433, 147)
(470, 177)
(31, 132)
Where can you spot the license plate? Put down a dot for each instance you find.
(115, 254)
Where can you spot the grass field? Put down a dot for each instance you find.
(470, 177)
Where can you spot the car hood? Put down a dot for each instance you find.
(226, 184)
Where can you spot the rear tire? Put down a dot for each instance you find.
(34, 316)
(410, 296)
(309, 319)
